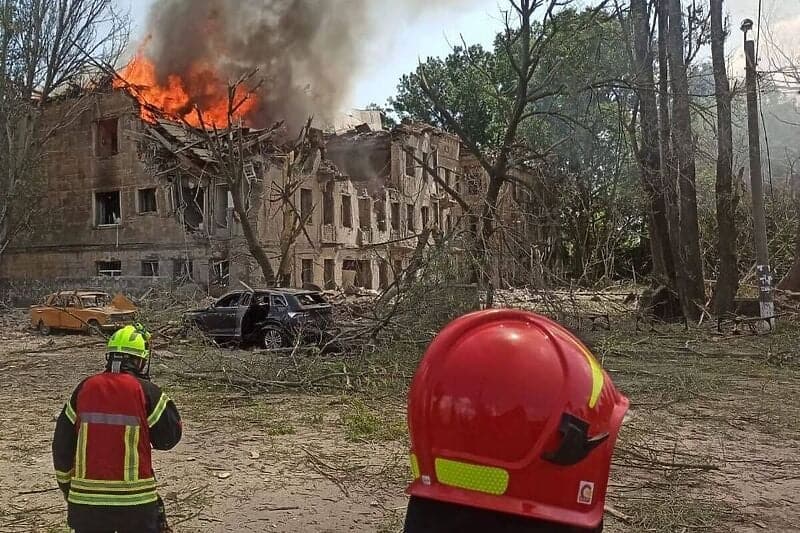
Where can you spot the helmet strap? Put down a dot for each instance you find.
(575, 443)
(145, 369)
(114, 361)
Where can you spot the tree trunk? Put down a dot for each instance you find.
(668, 180)
(256, 250)
(484, 237)
(649, 156)
(693, 289)
(728, 272)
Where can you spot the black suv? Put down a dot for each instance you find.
(271, 318)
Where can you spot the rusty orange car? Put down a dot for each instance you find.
(81, 310)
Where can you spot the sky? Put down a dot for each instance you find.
(478, 21)
(430, 35)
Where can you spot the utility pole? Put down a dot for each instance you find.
(763, 272)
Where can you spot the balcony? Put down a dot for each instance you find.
(364, 237)
(328, 234)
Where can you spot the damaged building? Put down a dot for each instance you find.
(115, 206)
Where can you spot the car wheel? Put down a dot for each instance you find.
(94, 327)
(43, 328)
(273, 338)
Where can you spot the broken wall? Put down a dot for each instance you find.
(102, 209)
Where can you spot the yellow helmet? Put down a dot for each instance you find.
(130, 340)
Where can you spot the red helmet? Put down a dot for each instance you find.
(508, 411)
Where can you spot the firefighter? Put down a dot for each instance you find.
(103, 439)
(513, 423)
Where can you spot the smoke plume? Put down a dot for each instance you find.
(308, 52)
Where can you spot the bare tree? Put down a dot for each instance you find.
(728, 276)
(526, 41)
(48, 48)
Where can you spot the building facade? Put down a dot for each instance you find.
(108, 211)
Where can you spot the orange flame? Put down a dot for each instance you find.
(182, 96)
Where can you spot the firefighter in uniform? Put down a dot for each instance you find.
(513, 423)
(103, 439)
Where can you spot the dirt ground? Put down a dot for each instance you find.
(711, 443)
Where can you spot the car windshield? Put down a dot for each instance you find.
(97, 300)
(310, 298)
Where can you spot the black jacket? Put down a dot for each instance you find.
(430, 516)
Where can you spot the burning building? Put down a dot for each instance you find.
(136, 186)
(135, 197)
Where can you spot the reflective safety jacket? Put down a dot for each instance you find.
(103, 438)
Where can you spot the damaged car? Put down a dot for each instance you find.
(81, 310)
(269, 318)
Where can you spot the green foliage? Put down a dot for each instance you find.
(461, 78)
(584, 185)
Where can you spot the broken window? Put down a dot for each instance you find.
(449, 225)
(410, 163)
(232, 300)
(193, 207)
(306, 206)
(357, 273)
(109, 269)
(222, 202)
(410, 217)
(383, 274)
(448, 177)
(278, 301)
(364, 214)
(380, 214)
(327, 207)
(437, 214)
(147, 201)
(364, 274)
(107, 208)
(107, 139)
(150, 269)
(433, 162)
(307, 271)
(347, 212)
(425, 211)
(182, 269)
(221, 273)
(395, 216)
(330, 274)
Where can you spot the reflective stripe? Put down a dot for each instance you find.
(598, 380)
(414, 466)
(101, 485)
(155, 416)
(109, 419)
(479, 478)
(80, 451)
(114, 500)
(63, 477)
(131, 453)
(70, 412)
